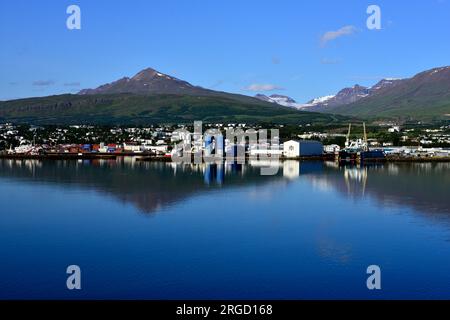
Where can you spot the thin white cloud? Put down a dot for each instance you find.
(330, 61)
(72, 84)
(43, 83)
(276, 60)
(216, 84)
(258, 87)
(333, 35)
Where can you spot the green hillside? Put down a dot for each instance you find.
(159, 108)
(426, 96)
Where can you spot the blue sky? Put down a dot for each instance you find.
(223, 45)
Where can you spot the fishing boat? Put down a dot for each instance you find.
(359, 151)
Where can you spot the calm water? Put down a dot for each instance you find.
(162, 231)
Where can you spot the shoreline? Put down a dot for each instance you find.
(153, 158)
(82, 156)
(418, 160)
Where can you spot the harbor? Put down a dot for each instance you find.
(235, 142)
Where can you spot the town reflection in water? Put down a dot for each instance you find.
(150, 186)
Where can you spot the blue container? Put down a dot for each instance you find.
(310, 148)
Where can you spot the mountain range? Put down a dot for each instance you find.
(347, 96)
(424, 96)
(152, 97)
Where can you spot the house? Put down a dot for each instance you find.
(160, 149)
(302, 148)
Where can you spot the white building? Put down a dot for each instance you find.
(291, 149)
(160, 149)
(132, 148)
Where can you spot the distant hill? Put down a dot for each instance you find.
(152, 97)
(425, 96)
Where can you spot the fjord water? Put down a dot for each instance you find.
(166, 231)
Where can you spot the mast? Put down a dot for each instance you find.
(366, 147)
(347, 142)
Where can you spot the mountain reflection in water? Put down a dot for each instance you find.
(150, 230)
(151, 186)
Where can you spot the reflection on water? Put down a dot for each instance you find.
(223, 230)
(151, 185)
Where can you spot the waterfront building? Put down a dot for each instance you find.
(302, 148)
(132, 147)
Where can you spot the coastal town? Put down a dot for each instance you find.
(159, 142)
(224, 159)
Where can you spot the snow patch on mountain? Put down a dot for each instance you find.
(280, 100)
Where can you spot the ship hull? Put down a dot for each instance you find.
(347, 156)
(372, 156)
